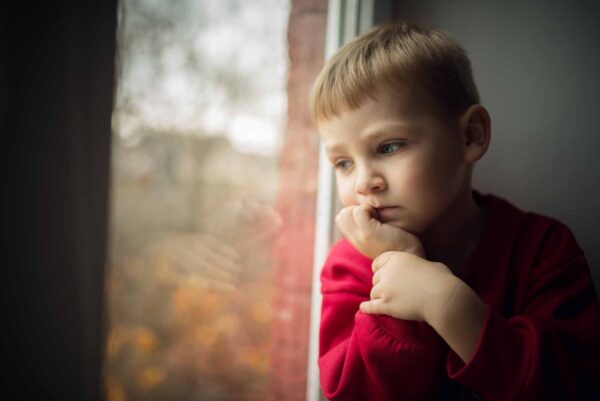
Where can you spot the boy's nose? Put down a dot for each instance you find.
(369, 181)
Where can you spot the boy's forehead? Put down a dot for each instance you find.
(379, 113)
(404, 103)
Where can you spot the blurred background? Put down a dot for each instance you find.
(198, 126)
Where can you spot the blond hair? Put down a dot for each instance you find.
(395, 56)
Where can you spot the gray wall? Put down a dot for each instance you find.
(537, 67)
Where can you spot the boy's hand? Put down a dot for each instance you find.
(406, 286)
(372, 237)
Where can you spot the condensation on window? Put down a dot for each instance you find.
(198, 122)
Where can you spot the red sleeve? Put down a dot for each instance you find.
(365, 357)
(550, 350)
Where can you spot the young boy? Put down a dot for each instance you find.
(437, 291)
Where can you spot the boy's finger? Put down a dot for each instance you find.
(376, 278)
(373, 307)
(362, 217)
(345, 220)
(341, 215)
(374, 294)
(380, 261)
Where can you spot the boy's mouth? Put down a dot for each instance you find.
(384, 212)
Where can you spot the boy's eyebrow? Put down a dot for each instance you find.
(334, 148)
(386, 127)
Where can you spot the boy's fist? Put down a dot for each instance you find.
(372, 237)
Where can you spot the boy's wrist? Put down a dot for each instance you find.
(445, 292)
(458, 316)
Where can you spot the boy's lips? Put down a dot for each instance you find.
(386, 211)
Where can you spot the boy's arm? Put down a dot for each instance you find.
(550, 348)
(364, 357)
(549, 352)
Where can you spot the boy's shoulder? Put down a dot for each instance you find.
(503, 211)
(526, 232)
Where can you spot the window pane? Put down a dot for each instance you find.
(200, 111)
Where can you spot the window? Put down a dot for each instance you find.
(199, 118)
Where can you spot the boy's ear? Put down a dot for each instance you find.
(475, 129)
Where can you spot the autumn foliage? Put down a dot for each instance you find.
(190, 285)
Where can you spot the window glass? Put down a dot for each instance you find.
(198, 120)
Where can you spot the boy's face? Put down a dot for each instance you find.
(396, 156)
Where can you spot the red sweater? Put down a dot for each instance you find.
(540, 340)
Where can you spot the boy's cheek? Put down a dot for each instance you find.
(345, 194)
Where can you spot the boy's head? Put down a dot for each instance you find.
(398, 112)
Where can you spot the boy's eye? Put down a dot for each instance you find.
(390, 147)
(342, 164)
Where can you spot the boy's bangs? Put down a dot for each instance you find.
(342, 91)
(352, 77)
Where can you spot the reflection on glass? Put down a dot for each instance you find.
(198, 120)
